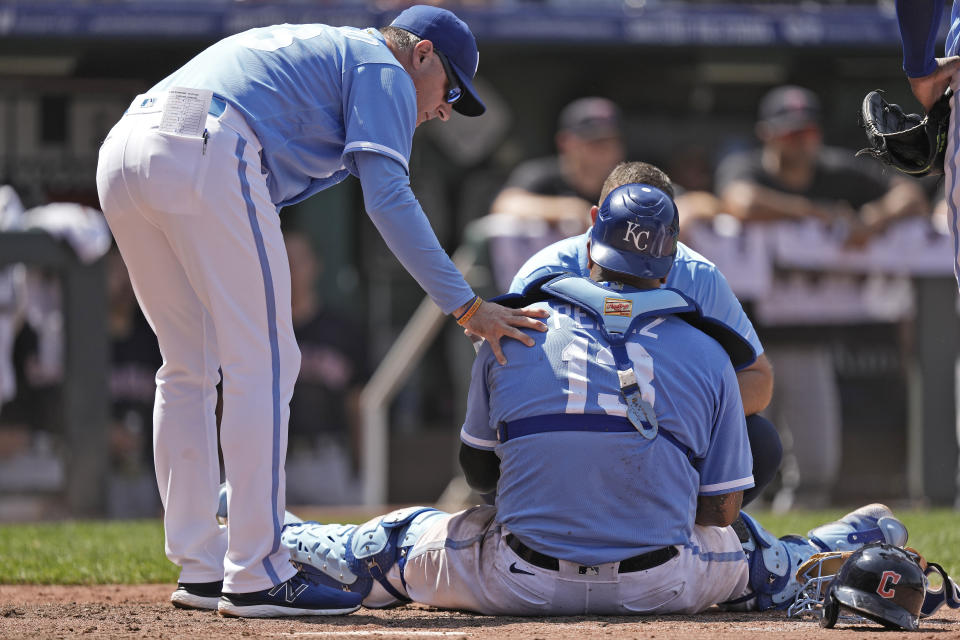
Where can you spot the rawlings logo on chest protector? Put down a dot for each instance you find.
(617, 307)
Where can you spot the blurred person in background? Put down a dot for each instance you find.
(324, 411)
(793, 177)
(547, 199)
(560, 189)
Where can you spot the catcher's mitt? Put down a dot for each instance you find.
(910, 143)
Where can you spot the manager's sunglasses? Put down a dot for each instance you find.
(454, 92)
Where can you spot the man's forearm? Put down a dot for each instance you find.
(756, 385)
(904, 199)
(719, 511)
(754, 202)
(518, 203)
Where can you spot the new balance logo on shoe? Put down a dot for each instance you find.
(298, 596)
(291, 592)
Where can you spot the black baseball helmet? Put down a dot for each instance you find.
(880, 582)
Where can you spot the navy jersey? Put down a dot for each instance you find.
(592, 497)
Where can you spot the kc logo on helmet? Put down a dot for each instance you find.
(636, 237)
(884, 589)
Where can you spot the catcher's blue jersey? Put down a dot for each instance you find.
(592, 497)
(313, 94)
(692, 274)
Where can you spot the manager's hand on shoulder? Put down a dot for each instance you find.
(929, 88)
(493, 321)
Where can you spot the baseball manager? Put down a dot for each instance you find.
(191, 181)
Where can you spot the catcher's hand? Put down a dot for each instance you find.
(910, 143)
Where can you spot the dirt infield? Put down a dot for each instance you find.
(143, 611)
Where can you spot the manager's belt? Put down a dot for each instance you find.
(642, 562)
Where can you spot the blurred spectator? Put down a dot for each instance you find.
(548, 199)
(323, 447)
(793, 177)
(561, 189)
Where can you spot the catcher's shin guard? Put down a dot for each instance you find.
(870, 523)
(773, 566)
(366, 559)
(774, 563)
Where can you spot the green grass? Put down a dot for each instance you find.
(131, 552)
(935, 533)
(96, 552)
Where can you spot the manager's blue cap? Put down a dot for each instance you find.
(450, 35)
(636, 231)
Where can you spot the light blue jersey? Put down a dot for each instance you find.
(692, 274)
(592, 497)
(315, 96)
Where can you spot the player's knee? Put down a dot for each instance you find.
(773, 565)
(366, 559)
(766, 447)
(290, 360)
(764, 437)
(176, 380)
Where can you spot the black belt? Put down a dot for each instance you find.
(642, 562)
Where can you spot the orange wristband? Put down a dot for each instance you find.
(469, 313)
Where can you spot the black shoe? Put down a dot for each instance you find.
(197, 595)
(298, 596)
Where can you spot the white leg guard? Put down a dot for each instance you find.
(366, 559)
(774, 563)
(872, 523)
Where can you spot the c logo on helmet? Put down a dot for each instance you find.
(883, 589)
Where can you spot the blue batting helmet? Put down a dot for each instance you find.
(636, 231)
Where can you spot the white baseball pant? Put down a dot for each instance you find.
(194, 222)
(462, 562)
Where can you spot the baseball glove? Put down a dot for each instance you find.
(910, 143)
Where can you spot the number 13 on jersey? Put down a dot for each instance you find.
(576, 355)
